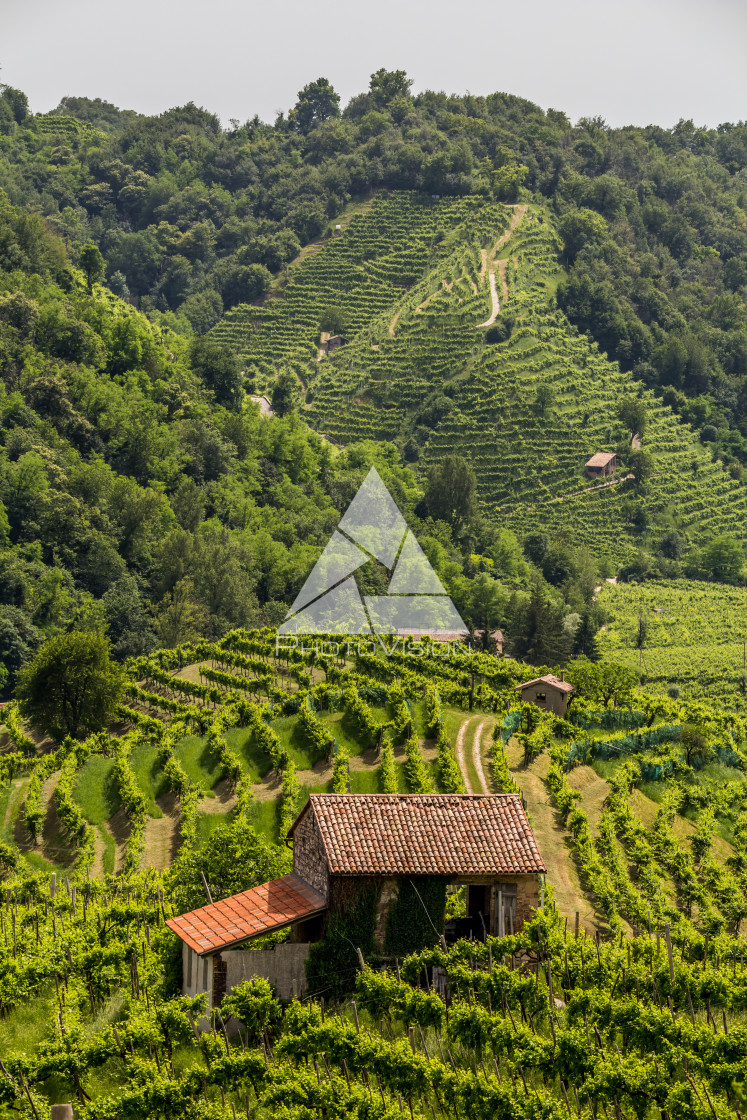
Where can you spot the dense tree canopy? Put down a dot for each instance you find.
(139, 489)
(71, 687)
(193, 219)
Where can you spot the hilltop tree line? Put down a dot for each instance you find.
(191, 218)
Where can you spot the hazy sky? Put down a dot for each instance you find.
(640, 62)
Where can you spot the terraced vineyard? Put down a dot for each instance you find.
(696, 635)
(413, 275)
(69, 129)
(626, 990)
(363, 272)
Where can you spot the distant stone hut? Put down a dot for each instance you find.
(549, 692)
(602, 464)
(331, 342)
(345, 845)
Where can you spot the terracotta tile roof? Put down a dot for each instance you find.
(549, 678)
(424, 834)
(601, 459)
(260, 910)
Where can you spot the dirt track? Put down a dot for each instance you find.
(552, 839)
(459, 753)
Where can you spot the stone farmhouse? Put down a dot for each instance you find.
(549, 692)
(602, 464)
(345, 844)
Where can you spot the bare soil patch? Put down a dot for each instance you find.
(459, 754)
(119, 829)
(162, 834)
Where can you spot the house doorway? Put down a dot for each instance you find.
(478, 909)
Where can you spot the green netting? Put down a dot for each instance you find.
(608, 719)
(655, 771)
(584, 750)
(729, 757)
(510, 723)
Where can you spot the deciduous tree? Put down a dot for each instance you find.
(71, 687)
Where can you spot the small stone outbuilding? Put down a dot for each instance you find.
(331, 342)
(549, 692)
(602, 464)
(345, 844)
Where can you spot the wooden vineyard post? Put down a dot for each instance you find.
(668, 936)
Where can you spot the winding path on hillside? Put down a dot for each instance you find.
(477, 759)
(161, 837)
(459, 753)
(552, 838)
(494, 303)
(490, 265)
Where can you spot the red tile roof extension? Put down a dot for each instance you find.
(423, 834)
(257, 911)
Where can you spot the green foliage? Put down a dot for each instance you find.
(71, 686)
(317, 739)
(450, 495)
(289, 799)
(214, 363)
(416, 917)
(333, 960)
(285, 393)
(252, 1002)
(387, 769)
(92, 263)
(341, 771)
(234, 859)
(317, 102)
(417, 775)
(603, 683)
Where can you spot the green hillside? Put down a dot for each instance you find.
(420, 370)
(218, 745)
(693, 639)
(512, 289)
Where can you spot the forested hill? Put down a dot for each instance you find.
(141, 258)
(194, 219)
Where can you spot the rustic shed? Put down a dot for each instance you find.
(602, 464)
(549, 692)
(331, 342)
(345, 845)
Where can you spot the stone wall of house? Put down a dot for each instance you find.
(284, 967)
(554, 701)
(527, 898)
(519, 891)
(345, 890)
(309, 856)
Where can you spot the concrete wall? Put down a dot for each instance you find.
(197, 973)
(309, 857)
(281, 966)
